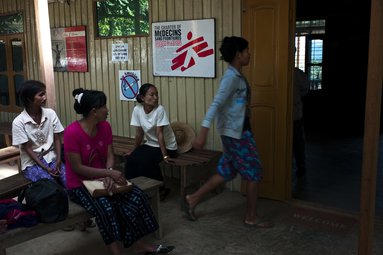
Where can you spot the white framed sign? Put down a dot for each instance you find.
(120, 52)
(184, 48)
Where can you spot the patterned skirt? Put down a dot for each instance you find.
(35, 172)
(240, 156)
(125, 217)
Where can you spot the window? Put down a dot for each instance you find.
(309, 50)
(12, 62)
(11, 24)
(117, 18)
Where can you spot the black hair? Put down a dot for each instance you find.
(143, 90)
(28, 90)
(86, 100)
(231, 45)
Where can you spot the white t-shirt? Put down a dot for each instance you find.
(149, 123)
(25, 129)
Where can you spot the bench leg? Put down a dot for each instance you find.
(155, 203)
(8, 141)
(183, 181)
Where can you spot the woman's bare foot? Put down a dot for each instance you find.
(189, 209)
(191, 201)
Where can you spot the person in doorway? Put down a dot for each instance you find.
(230, 106)
(125, 217)
(301, 88)
(36, 130)
(152, 123)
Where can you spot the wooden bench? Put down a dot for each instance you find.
(12, 185)
(10, 154)
(186, 162)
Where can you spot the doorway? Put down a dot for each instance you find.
(334, 113)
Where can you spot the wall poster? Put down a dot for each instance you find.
(130, 83)
(184, 48)
(69, 49)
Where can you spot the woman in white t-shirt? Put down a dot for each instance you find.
(36, 131)
(151, 123)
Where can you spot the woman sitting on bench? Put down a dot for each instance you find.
(152, 123)
(36, 131)
(125, 217)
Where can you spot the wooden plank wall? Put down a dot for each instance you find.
(186, 99)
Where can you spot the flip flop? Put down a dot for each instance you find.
(188, 210)
(259, 224)
(161, 249)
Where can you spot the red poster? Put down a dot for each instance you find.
(69, 49)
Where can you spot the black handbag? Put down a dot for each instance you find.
(48, 199)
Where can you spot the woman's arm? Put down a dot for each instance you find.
(161, 141)
(28, 148)
(110, 157)
(200, 141)
(139, 137)
(91, 172)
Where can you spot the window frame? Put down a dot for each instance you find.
(311, 33)
(10, 73)
(308, 63)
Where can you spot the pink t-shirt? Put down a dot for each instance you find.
(92, 150)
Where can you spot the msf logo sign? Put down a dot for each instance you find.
(186, 53)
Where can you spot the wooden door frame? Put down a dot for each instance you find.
(371, 130)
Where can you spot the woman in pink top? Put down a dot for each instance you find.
(125, 217)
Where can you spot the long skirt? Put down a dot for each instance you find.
(35, 172)
(144, 161)
(125, 217)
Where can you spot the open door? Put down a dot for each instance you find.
(268, 25)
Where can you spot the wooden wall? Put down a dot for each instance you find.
(186, 99)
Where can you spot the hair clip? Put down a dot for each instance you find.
(78, 97)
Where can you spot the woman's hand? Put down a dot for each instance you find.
(57, 170)
(109, 185)
(117, 177)
(52, 172)
(200, 141)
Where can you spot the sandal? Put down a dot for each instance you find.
(161, 249)
(259, 224)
